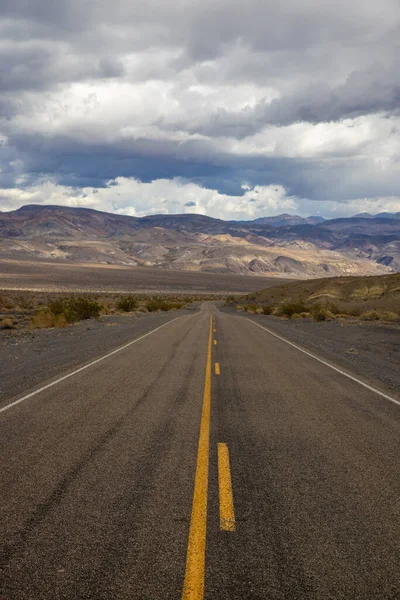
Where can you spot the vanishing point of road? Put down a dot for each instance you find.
(208, 458)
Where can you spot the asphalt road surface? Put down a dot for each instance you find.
(207, 459)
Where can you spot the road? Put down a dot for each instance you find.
(208, 458)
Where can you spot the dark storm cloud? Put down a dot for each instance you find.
(278, 36)
(34, 67)
(82, 164)
(90, 164)
(364, 92)
(372, 91)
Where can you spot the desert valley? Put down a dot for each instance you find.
(284, 247)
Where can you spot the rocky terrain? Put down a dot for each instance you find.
(284, 246)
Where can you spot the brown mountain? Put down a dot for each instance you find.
(359, 246)
(285, 219)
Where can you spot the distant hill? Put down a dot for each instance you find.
(285, 219)
(347, 293)
(288, 246)
(382, 215)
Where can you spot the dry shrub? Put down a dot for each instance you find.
(332, 308)
(60, 321)
(25, 302)
(319, 313)
(322, 313)
(288, 310)
(159, 304)
(229, 300)
(250, 308)
(127, 303)
(7, 323)
(44, 319)
(75, 309)
(354, 312)
(370, 315)
(388, 315)
(7, 303)
(267, 310)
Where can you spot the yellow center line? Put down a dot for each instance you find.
(215, 342)
(217, 369)
(193, 587)
(226, 510)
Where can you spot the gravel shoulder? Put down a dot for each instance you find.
(32, 358)
(368, 350)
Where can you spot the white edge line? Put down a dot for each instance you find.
(49, 385)
(324, 362)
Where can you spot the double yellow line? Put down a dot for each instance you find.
(193, 588)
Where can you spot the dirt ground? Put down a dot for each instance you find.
(67, 276)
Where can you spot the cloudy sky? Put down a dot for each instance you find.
(232, 108)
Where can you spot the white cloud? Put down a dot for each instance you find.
(171, 196)
(302, 94)
(132, 197)
(352, 207)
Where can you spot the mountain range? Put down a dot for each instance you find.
(285, 245)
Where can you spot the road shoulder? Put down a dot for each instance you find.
(365, 350)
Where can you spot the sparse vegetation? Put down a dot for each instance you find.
(332, 308)
(288, 310)
(390, 316)
(266, 309)
(252, 308)
(229, 300)
(6, 303)
(39, 310)
(371, 315)
(22, 310)
(7, 323)
(127, 303)
(374, 298)
(60, 312)
(44, 319)
(159, 304)
(75, 308)
(319, 313)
